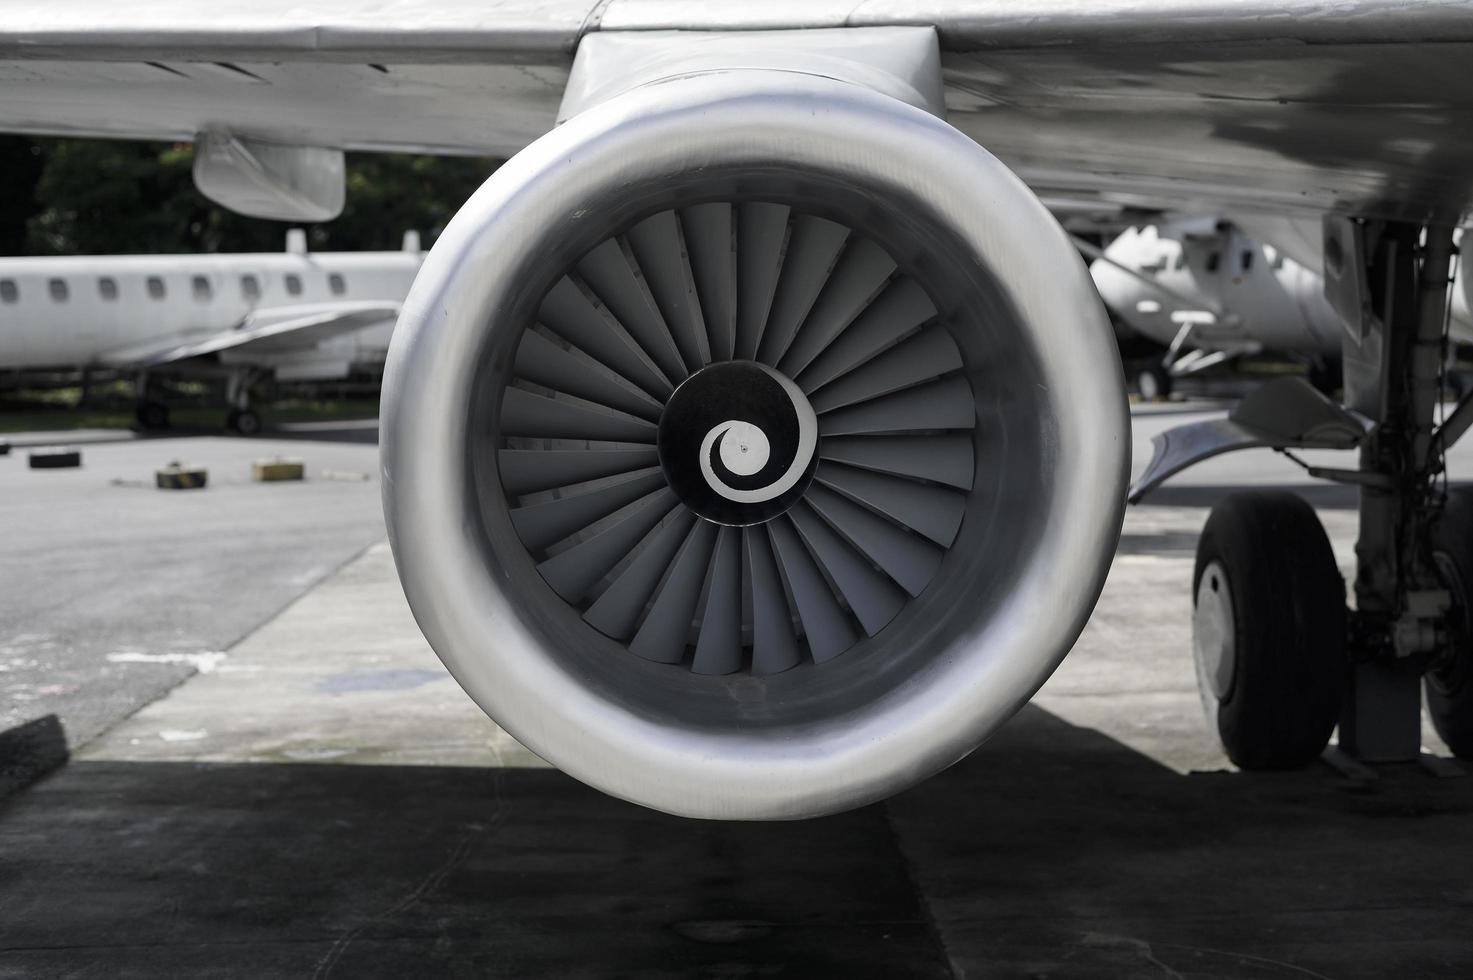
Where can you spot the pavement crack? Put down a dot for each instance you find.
(427, 885)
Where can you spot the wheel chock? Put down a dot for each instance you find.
(274, 470)
(177, 476)
(55, 457)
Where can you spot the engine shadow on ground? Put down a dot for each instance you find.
(1053, 851)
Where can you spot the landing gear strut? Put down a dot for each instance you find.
(1393, 363)
(241, 419)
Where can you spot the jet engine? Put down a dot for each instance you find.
(754, 445)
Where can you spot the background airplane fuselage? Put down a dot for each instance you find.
(67, 312)
(1261, 297)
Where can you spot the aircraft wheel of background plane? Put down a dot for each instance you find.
(1154, 382)
(152, 415)
(1449, 684)
(243, 421)
(1268, 630)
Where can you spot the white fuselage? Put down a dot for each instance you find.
(76, 311)
(1244, 294)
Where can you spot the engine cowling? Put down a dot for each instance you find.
(754, 445)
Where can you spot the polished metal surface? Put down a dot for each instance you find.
(902, 62)
(1049, 451)
(270, 180)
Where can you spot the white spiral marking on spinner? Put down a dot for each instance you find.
(745, 450)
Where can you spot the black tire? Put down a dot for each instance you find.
(1154, 382)
(1449, 684)
(243, 421)
(152, 415)
(1289, 624)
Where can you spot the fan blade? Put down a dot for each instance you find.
(573, 572)
(774, 647)
(872, 597)
(761, 232)
(862, 271)
(939, 405)
(933, 511)
(607, 272)
(543, 362)
(928, 354)
(813, 244)
(616, 612)
(655, 243)
(828, 629)
(908, 558)
(662, 635)
(719, 645)
(539, 525)
(540, 417)
(900, 309)
(713, 266)
(942, 459)
(530, 470)
(570, 315)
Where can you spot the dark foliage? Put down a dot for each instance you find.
(105, 197)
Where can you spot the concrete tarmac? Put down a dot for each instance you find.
(325, 801)
(114, 591)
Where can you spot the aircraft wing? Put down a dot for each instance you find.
(1254, 105)
(268, 331)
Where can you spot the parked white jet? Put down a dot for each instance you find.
(1210, 293)
(293, 314)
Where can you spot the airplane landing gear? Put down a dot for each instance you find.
(1449, 682)
(1268, 630)
(151, 413)
(243, 421)
(1276, 649)
(1153, 382)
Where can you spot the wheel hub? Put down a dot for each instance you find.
(1214, 634)
(738, 443)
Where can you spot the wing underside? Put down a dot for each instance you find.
(1361, 105)
(266, 334)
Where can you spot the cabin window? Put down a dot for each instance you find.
(155, 287)
(293, 284)
(200, 286)
(336, 284)
(1213, 260)
(8, 291)
(107, 287)
(250, 287)
(58, 289)
(1247, 261)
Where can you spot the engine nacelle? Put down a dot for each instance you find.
(754, 445)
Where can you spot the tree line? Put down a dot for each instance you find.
(109, 197)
